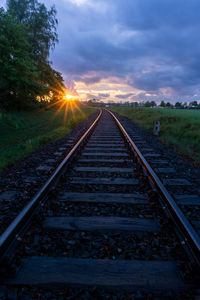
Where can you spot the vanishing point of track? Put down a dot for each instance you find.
(103, 219)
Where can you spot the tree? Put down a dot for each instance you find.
(19, 77)
(147, 104)
(54, 83)
(134, 104)
(41, 25)
(193, 104)
(178, 105)
(185, 105)
(153, 103)
(162, 104)
(27, 34)
(19, 9)
(169, 105)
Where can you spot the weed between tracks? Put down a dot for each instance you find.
(180, 129)
(23, 132)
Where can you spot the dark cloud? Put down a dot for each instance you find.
(92, 96)
(152, 45)
(88, 79)
(124, 96)
(104, 95)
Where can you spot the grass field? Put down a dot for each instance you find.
(23, 132)
(180, 129)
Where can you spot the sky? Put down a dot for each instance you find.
(129, 50)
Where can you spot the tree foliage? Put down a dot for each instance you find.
(27, 34)
(19, 77)
(162, 104)
(150, 104)
(40, 23)
(178, 105)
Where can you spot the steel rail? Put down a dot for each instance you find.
(11, 233)
(191, 237)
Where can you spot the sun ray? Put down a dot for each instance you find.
(78, 108)
(67, 103)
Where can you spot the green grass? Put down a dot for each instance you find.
(180, 129)
(23, 132)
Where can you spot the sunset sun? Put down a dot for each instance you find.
(68, 97)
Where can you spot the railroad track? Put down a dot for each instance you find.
(103, 221)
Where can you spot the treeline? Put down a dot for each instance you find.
(180, 105)
(27, 35)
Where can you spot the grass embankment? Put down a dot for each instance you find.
(180, 129)
(23, 132)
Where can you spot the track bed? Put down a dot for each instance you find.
(101, 232)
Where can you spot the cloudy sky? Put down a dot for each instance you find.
(129, 50)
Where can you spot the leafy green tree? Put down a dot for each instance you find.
(19, 78)
(169, 105)
(134, 104)
(193, 104)
(147, 104)
(54, 83)
(153, 103)
(150, 104)
(41, 25)
(178, 105)
(162, 104)
(20, 9)
(27, 34)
